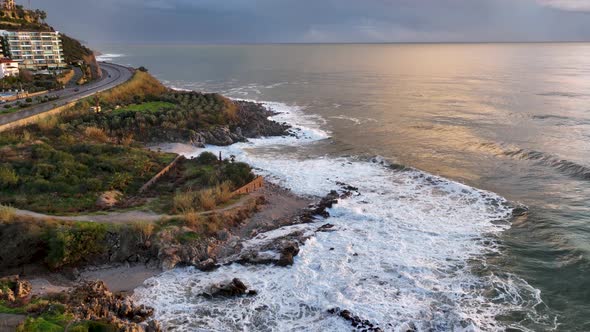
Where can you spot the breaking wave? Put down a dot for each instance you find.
(409, 252)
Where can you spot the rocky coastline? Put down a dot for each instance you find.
(88, 297)
(251, 121)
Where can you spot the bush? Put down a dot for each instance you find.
(192, 219)
(6, 213)
(71, 244)
(183, 202)
(223, 192)
(206, 199)
(8, 177)
(207, 158)
(96, 134)
(238, 173)
(144, 230)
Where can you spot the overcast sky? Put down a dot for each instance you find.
(263, 21)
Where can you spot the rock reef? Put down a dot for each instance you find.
(252, 122)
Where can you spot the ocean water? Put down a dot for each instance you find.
(433, 245)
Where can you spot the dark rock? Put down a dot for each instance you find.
(347, 187)
(207, 265)
(326, 228)
(320, 209)
(355, 321)
(288, 252)
(93, 300)
(229, 289)
(520, 211)
(153, 326)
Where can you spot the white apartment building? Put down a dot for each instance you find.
(34, 50)
(8, 68)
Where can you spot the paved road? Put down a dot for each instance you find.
(113, 75)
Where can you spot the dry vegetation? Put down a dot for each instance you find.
(202, 200)
(7, 213)
(138, 88)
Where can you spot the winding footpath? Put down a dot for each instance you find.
(113, 75)
(131, 215)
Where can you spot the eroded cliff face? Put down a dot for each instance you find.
(76, 53)
(93, 71)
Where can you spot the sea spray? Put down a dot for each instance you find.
(403, 253)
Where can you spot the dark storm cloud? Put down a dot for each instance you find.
(246, 21)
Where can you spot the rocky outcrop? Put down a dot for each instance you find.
(108, 199)
(175, 255)
(252, 122)
(320, 209)
(93, 301)
(233, 288)
(217, 136)
(289, 250)
(207, 265)
(280, 251)
(12, 288)
(358, 323)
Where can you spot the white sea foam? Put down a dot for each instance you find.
(402, 255)
(356, 121)
(109, 57)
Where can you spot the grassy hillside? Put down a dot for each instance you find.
(62, 164)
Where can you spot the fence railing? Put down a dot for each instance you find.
(250, 187)
(163, 172)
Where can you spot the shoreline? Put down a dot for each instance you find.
(280, 208)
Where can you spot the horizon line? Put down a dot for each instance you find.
(343, 43)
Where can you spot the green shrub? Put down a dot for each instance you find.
(238, 173)
(120, 181)
(71, 244)
(206, 158)
(8, 177)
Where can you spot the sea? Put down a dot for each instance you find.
(472, 163)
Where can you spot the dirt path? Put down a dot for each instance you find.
(9, 322)
(129, 216)
(111, 217)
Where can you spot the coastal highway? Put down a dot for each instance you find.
(112, 76)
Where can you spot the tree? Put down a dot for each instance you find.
(25, 75)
